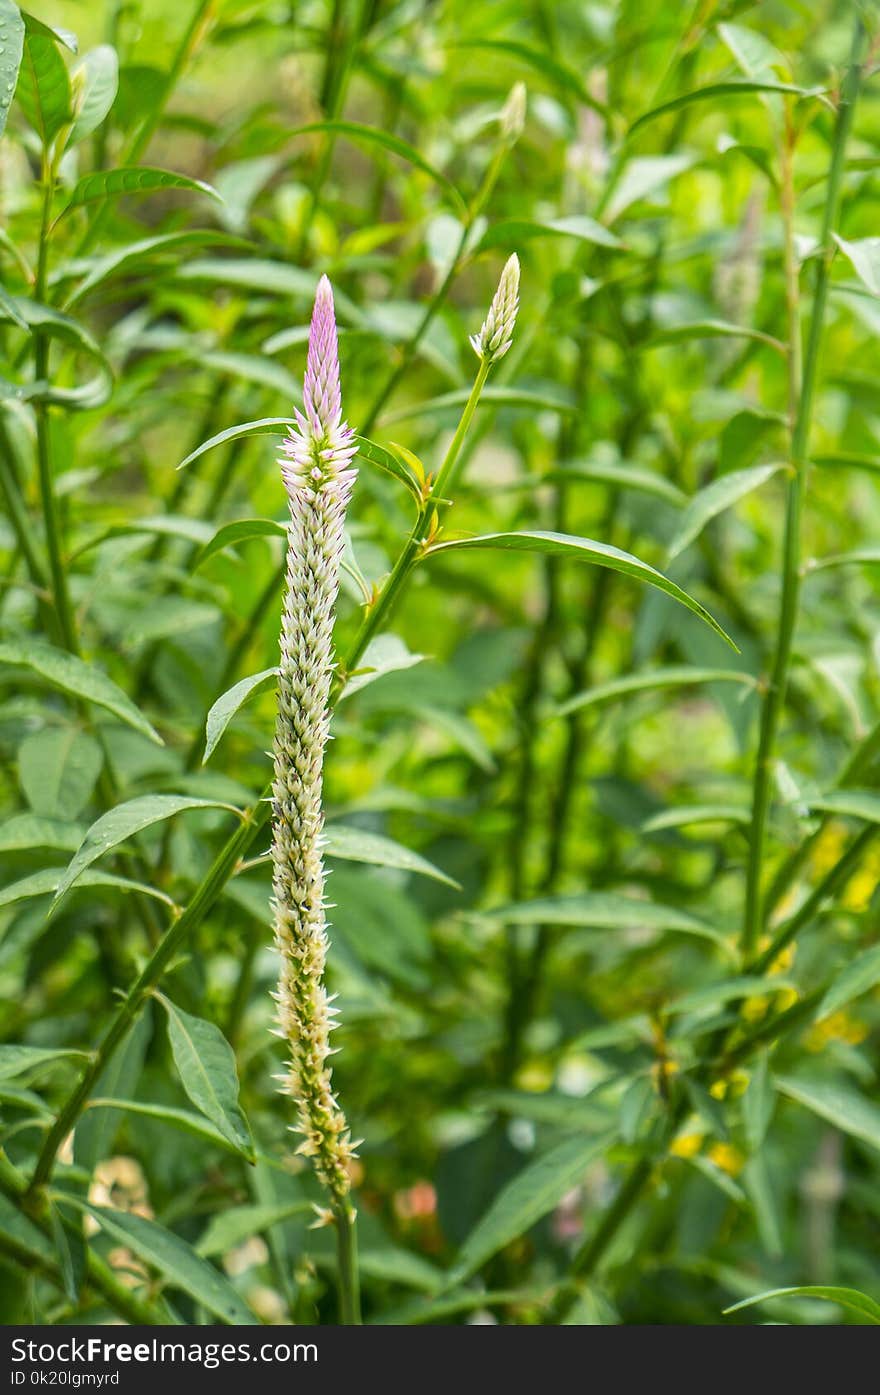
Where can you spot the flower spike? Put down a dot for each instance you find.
(496, 335)
(318, 477)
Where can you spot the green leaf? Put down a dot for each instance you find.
(522, 1202)
(603, 910)
(753, 52)
(21, 1060)
(864, 257)
(623, 474)
(21, 1235)
(737, 87)
(226, 706)
(170, 526)
(230, 1228)
(564, 78)
(838, 1104)
(43, 85)
(241, 531)
(393, 464)
(384, 654)
(587, 550)
(684, 815)
(48, 879)
(271, 426)
(139, 179)
(644, 176)
(178, 1264)
(7, 304)
(357, 845)
(97, 1128)
(122, 823)
(77, 678)
(183, 1119)
(721, 494)
(374, 137)
(854, 804)
(490, 396)
(69, 1249)
(857, 978)
(58, 769)
(654, 680)
(12, 25)
(849, 1298)
(858, 557)
(131, 254)
(514, 231)
(206, 1065)
(710, 329)
(25, 831)
(758, 1104)
(56, 325)
(95, 83)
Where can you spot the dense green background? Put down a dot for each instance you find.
(650, 360)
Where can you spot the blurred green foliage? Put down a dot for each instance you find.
(571, 749)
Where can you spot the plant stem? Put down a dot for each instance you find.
(60, 594)
(776, 688)
(346, 1250)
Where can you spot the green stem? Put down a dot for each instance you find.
(776, 688)
(346, 1251)
(60, 594)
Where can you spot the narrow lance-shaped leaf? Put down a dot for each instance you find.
(95, 82)
(272, 426)
(521, 1203)
(206, 1065)
(587, 550)
(72, 675)
(359, 845)
(226, 706)
(178, 1264)
(721, 494)
(737, 87)
(676, 676)
(43, 84)
(243, 530)
(123, 823)
(850, 1298)
(11, 55)
(373, 136)
(106, 184)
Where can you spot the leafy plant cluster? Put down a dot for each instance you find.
(601, 797)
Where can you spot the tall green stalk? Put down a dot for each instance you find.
(777, 682)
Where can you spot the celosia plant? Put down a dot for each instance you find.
(318, 478)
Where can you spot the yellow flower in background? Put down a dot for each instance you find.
(840, 1026)
(728, 1158)
(828, 849)
(687, 1145)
